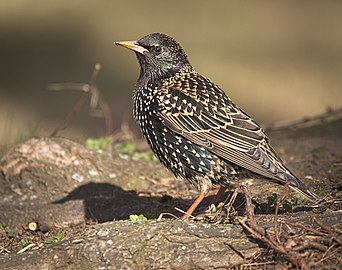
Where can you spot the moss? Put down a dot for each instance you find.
(101, 143)
(136, 218)
(55, 239)
(126, 148)
(131, 149)
(24, 242)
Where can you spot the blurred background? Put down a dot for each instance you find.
(278, 60)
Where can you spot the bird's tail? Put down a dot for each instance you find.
(299, 187)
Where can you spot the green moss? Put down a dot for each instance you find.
(147, 155)
(24, 242)
(136, 218)
(291, 203)
(55, 239)
(99, 143)
(126, 148)
(294, 201)
(323, 191)
(131, 149)
(4, 228)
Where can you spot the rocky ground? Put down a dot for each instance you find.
(65, 206)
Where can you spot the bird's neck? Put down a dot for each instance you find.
(150, 75)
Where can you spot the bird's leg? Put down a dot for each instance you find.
(194, 205)
(218, 195)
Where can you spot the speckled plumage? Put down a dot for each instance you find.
(193, 127)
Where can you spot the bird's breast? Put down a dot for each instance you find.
(144, 102)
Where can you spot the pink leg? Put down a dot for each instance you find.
(218, 195)
(194, 206)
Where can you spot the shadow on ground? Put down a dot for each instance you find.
(107, 202)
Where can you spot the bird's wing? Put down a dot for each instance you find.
(201, 112)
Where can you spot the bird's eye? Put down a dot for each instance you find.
(157, 49)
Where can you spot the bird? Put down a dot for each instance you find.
(194, 128)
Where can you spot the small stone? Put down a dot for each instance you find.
(112, 175)
(93, 172)
(33, 226)
(102, 233)
(77, 177)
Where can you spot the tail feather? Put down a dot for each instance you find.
(284, 175)
(299, 187)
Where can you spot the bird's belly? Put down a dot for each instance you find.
(183, 157)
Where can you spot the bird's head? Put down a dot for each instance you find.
(159, 55)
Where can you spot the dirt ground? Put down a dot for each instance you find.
(65, 206)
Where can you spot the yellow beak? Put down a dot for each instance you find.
(132, 45)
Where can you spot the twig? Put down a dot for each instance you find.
(325, 256)
(97, 100)
(310, 244)
(312, 230)
(3, 249)
(276, 211)
(328, 250)
(327, 229)
(232, 199)
(306, 120)
(125, 132)
(26, 248)
(166, 214)
(249, 205)
(183, 212)
(228, 207)
(86, 88)
(293, 258)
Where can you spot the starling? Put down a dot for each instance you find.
(194, 128)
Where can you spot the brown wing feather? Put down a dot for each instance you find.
(205, 115)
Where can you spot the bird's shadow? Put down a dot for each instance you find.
(107, 202)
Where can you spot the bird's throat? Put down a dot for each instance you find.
(152, 72)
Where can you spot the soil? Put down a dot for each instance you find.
(65, 206)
